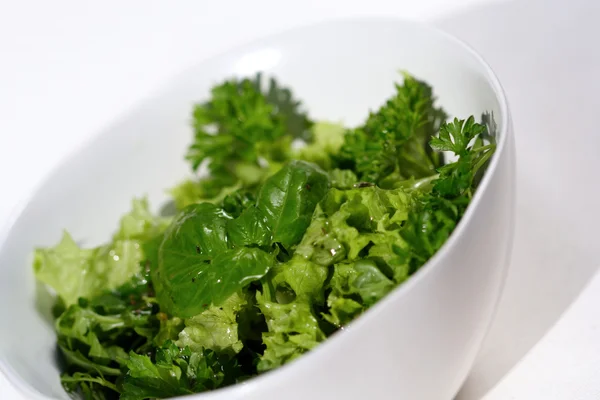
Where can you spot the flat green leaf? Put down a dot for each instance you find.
(289, 198)
(250, 228)
(198, 231)
(196, 267)
(235, 203)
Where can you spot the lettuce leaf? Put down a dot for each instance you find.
(360, 227)
(209, 190)
(293, 329)
(328, 139)
(290, 295)
(342, 178)
(74, 272)
(215, 328)
(140, 223)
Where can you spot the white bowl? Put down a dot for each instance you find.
(419, 342)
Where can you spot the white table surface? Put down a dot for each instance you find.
(70, 67)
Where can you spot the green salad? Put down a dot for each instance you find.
(294, 228)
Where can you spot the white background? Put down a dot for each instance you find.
(69, 68)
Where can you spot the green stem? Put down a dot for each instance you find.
(423, 184)
(484, 158)
(99, 381)
(484, 148)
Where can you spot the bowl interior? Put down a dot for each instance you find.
(340, 70)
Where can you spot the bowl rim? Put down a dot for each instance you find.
(403, 289)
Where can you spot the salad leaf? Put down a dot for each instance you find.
(289, 198)
(242, 134)
(363, 217)
(213, 283)
(250, 228)
(236, 202)
(176, 372)
(75, 359)
(189, 192)
(200, 261)
(342, 178)
(434, 215)
(297, 123)
(366, 223)
(96, 335)
(393, 143)
(328, 139)
(363, 278)
(196, 266)
(288, 303)
(241, 116)
(299, 279)
(215, 328)
(319, 245)
(87, 327)
(342, 310)
(87, 386)
(76, 273)
(429, 225)
(199, 230)
(353, 288)
(197, 233)
(140, 223)
(458, 137)
(169, 329)
(293, 329)
(145, 379)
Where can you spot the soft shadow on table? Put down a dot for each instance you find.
(547, 58)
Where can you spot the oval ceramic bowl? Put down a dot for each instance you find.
(417, 343)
